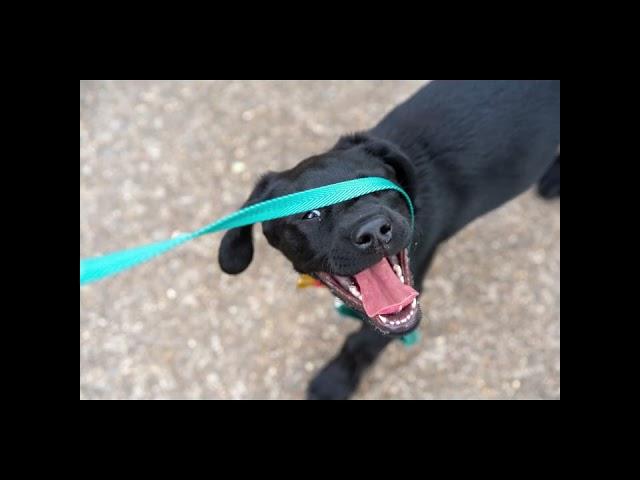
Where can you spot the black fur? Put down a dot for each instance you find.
(459, 148)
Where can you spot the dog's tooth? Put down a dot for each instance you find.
(398, 270)
(354, 291)
(414, 303)
(383, 318)
(399, 274)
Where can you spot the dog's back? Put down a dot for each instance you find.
(479, 142)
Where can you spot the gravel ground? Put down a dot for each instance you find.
(162, 157)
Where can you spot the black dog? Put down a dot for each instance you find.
(459, 149)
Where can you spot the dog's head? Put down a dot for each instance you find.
(357, 248)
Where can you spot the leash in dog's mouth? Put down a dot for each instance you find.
(383, 292)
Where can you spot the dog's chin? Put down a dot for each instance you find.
(400, 322)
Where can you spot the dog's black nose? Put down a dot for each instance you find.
(374, 232)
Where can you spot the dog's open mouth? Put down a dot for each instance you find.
(383, 292)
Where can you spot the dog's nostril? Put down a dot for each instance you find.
(384, 229)
(363, 239)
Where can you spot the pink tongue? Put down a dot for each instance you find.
(382, 291)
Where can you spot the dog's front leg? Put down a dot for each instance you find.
(340, 377)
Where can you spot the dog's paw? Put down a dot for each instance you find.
(548, 188)
(549, 185)
(336, 381)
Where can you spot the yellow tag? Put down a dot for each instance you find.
(305, 281)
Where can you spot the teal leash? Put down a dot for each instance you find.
(96, 268)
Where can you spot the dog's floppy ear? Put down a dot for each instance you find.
(236, 248)
(388, 153)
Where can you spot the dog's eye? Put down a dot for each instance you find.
(311, 214)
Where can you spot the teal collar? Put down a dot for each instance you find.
(407, 340)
